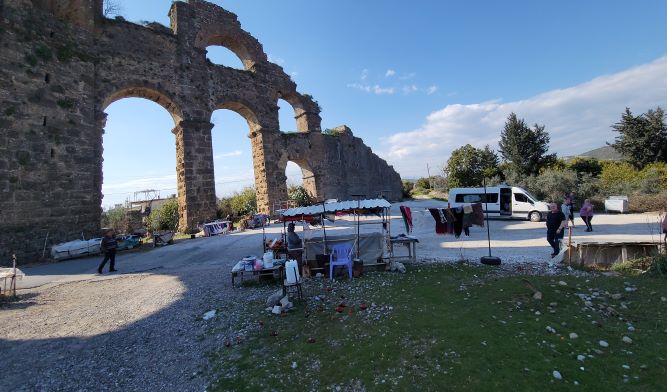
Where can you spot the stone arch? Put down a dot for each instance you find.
(245, 111)
(149, 93)
(306, 111)
(239, 42)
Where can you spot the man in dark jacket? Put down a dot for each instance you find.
(108, 246)
(556, 222)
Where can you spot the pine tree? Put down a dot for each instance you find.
(643, 138)
(525, 149)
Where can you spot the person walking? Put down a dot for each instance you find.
(556, 222)
(569, 199)
(566, 210)
(664, 230)
(586, 214)
(108, 246)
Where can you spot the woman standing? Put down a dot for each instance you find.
(586, 214)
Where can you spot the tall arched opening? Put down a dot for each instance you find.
(138, 165)
(233, 157)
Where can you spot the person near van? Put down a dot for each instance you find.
(586, 214)
(664, 230)
(108, 245)
(556, 222)
(566, 209)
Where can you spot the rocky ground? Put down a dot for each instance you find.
(140, 332)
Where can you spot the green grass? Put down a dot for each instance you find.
(455, 327)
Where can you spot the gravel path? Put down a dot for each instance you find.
(127, 333)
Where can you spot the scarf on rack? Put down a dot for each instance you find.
(407, 218)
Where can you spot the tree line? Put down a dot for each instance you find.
(523, 159)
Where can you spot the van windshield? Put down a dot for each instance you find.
(530, 195)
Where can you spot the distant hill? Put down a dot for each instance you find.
(607, 153)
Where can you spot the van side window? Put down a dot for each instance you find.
(520, 197)
(476, 198)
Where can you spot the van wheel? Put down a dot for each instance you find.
(535, 216)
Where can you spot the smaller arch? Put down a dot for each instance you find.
(307, 174)
(245, 111)
(154, 95)
(236, 43)
(305, 114)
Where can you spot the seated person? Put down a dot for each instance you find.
(294, 245)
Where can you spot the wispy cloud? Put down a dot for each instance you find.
(276, 60)
(407, 76)
(409, 89)
(389, 73)
(431, 89)
(578, 118)
(375, 89)
(364, 74)
(236, 153)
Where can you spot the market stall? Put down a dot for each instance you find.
(369, 247)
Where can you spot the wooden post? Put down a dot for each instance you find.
(569, 246)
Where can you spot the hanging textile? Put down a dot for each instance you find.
(477, 214)
(407, 218)
(458, 222)
(440, 220)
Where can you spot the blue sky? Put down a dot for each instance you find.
(416, 79)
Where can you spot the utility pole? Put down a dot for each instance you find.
(428, 171)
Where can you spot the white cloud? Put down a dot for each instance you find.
(236, 153)
(409, 89)
(383, 90)
(431, 89)
(407, 76)
(390, 72)
(364, 74)
(375, 89)
(578, 118)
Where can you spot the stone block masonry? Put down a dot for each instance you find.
(62, 64)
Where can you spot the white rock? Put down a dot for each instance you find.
(562, 283)
(573, 335)
(209, 315)
(630, 289)
(276, 309)
(603, 343)
(557, 375)
(627, 340)
(616, 296)
(293, 365)
(581, 357)
(576, 382)
(550, 329)
(663, 299)
(631, 328)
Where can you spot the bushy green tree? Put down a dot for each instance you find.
(643, 138)
(618, 178)
(115, 218)
(244, 202)
(525, 149)
(584, 165)
(653, 178)
(299, 195)
(553, 184)
(468, 165)
(164, 217)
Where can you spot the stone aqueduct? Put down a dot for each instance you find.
(62, 63)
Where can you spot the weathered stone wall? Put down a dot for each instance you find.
(62, 64)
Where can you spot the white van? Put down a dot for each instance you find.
(503, 201)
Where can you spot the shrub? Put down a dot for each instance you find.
(653, 178)
(643, 202)
(586, 166)
(553, 184)
(299, 195)
(618, 178)
(241, 203)
(164, 217)
(407, 188)
(115, 218)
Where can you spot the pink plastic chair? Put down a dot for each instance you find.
(341, 255)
